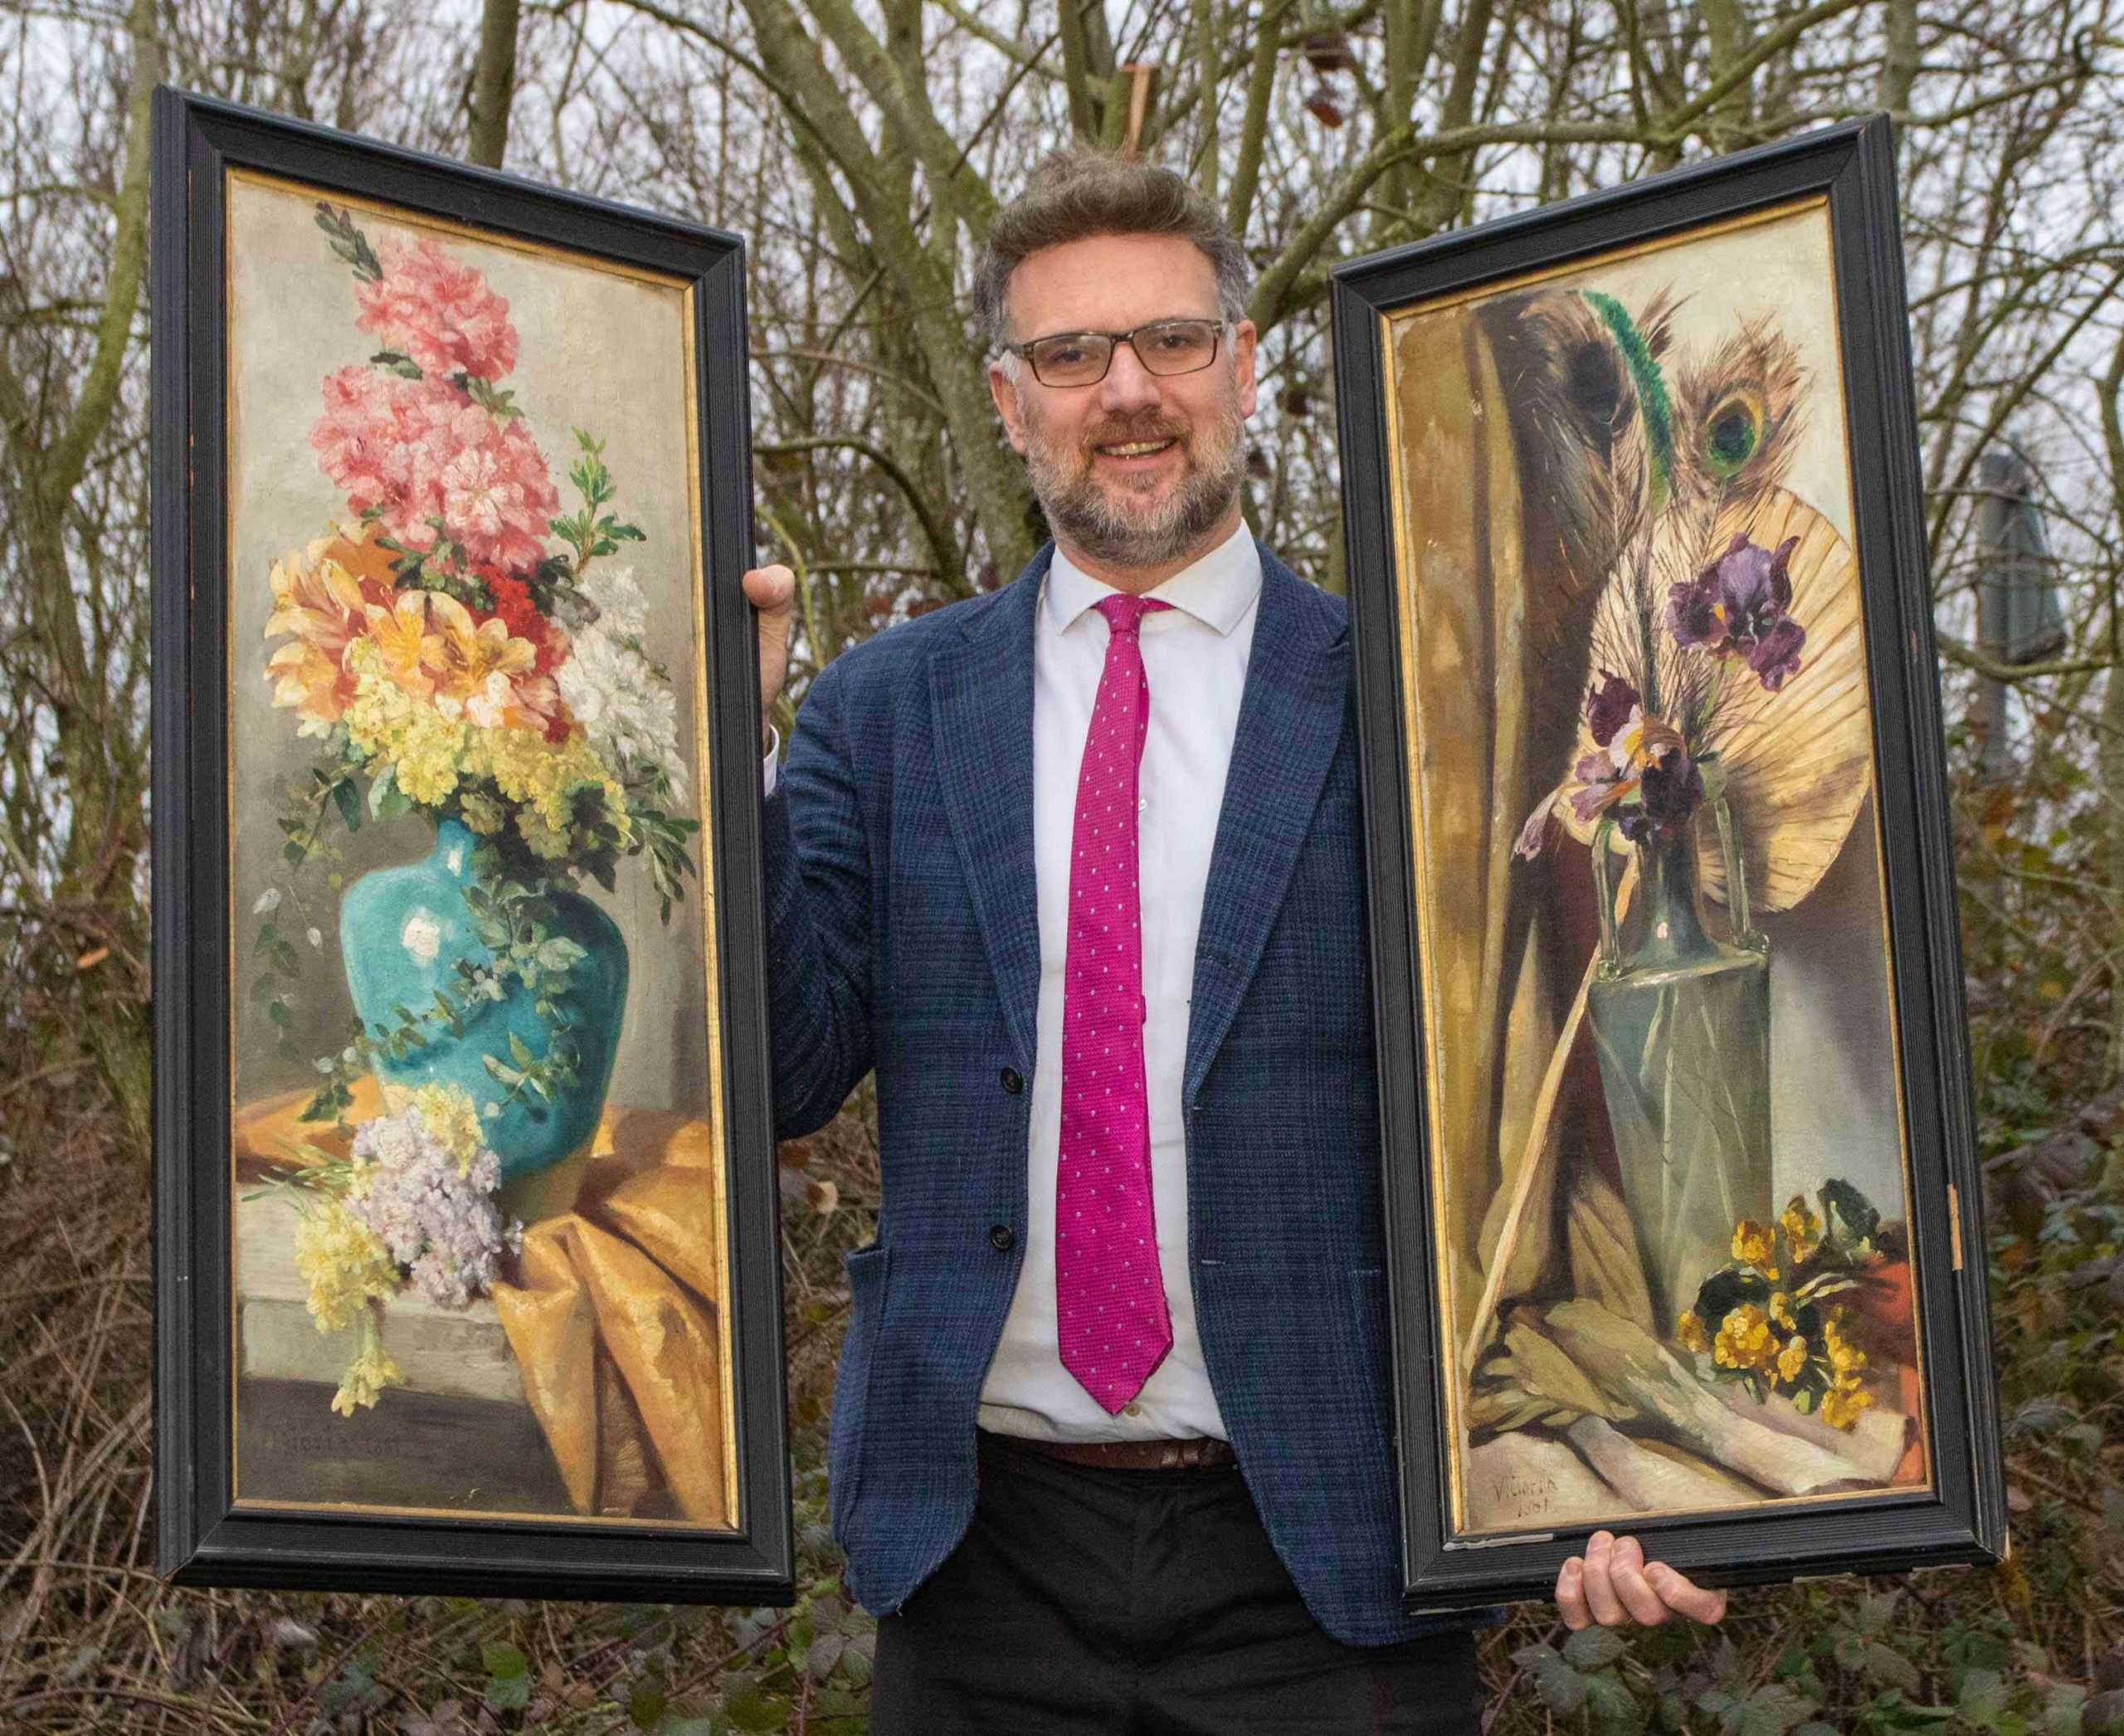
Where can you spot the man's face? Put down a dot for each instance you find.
(1139, 469)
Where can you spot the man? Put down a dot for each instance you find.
(1076, 867)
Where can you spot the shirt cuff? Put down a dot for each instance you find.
(767, 770)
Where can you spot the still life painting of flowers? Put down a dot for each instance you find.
(1662, 1081)
(479, 1234)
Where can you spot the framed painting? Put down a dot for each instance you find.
(1680, 1168)
(466, 1249)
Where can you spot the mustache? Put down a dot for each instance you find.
(1123, 429)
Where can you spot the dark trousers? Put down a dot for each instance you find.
(1105, 1602)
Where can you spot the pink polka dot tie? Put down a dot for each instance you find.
(1109, 1297)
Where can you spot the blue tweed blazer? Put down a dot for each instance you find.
(903, 936)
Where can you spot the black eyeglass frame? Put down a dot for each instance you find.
(1217, 326)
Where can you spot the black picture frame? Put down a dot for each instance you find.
(1962, 1518)
(203, 1535)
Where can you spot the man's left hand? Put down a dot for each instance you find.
(1613, 1585)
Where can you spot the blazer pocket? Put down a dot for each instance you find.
(868, 1269)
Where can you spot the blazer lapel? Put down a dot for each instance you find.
(1290, 718)
(980, 707)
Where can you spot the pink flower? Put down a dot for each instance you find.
(439, 313)
(418, 453)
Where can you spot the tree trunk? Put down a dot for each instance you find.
(493, 83)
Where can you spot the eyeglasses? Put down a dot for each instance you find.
(1082, 358)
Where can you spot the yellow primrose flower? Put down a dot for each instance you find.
(1744, 1340)
(1845, 1402)
(1791, 1361)
(366, 1377)
(544, 777)
(452, 1118)
(344, 1262)
(1689, 1330)
(1753, 1245)
(1780, 1310)
(1845, 1357)
(426, 750)
(1803, 1230)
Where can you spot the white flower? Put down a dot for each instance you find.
(625, 706)
(314, 936)
(269, 901)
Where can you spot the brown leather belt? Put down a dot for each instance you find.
(1195, 1453)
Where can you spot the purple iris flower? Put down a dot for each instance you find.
(1737, 607)
(1668, 790)
(1608, 707)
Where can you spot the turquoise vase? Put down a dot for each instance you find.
(401, 933)
(1681, 1023)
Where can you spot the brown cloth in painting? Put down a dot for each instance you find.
(615, 1323)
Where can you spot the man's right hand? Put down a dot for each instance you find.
(773, 590)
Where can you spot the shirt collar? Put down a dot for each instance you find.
(1216, 590)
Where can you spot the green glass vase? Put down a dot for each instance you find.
(1681, 1024)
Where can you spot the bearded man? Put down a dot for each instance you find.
(1076, 867)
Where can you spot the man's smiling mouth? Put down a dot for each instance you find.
(1134, 448)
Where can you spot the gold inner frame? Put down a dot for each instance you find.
(1404, 580)
(725, 1302)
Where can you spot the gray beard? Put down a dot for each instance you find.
(1080, 512)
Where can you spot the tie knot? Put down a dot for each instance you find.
(1124, 613)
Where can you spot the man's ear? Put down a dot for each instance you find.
(1242, 358)
(1003, 390)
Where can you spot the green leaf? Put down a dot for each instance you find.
(498, 1659)
(646, 1705)
(1563, 1688)
(1609, 1704)
(347, 800)
(750, 1709)
(1593, 1648)
(1889, 1666)
(560, 953)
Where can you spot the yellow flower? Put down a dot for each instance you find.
(366, 1376)
(1845, 1357)
(453, 1117)
(316, 604)
(478, 667)
(1753, 1245)
(1845, 1402)
(1791, 1361)
(401, 634)
(1744, 1340)
(1689, 1330)
(1780, 1310)
(1803, 1230)
(426, 750)
(483, 814)
(543, 778)
(344, 1262)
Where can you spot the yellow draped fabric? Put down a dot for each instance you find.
(612, 1307)
(1504, 943)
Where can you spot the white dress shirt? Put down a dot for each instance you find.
(1195, 658)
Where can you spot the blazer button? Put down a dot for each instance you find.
(1001, 1239)
(1012, 1082)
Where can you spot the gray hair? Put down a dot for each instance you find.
(1077, 193)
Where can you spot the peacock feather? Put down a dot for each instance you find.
(1651, 383)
